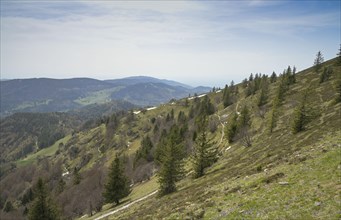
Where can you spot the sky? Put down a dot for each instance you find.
(195, 42)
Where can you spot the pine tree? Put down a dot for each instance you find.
(293, 75)
(300, 115)
(244, 119)
(117, 185)
(42, 207)
(326, 73)
(145, 150)
(231, 128)
(244, 123)
(76, 176)
(227, 96)
(318, 61)
(171, 160)
(273, 118)
(205, 152)
(273, 77)
(263, 95)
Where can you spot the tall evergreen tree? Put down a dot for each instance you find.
(42, 207)
(300, 115)
(318, 61)
(76, 176)
(227, 96)
(273, 118)
(263, 95)
(244, 119)
(145, 150)
(205, 152)
(273, 77)
(171, 160)
(117, 186)
(231, 128)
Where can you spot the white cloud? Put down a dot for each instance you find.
(176, 40)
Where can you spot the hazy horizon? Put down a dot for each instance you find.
(197, 43)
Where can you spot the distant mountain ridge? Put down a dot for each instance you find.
(146, 79)
(60, 95)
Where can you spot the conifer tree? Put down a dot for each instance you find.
(76, 176)
(171, 160)
(227, 96)
(318, 61)
(326, 73)
(263, 95)
(117, 186)
(42, 207)
(231, 128)
(300, 115)
(244, 119)
(293, 75)
(145, 150)
(273, 118)
(273, 77)
(205, 152)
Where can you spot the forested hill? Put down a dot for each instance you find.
(267, 148)
(51, 95)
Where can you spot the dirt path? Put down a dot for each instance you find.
(125, 206)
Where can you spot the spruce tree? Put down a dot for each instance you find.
(117, 186)
(76, 176)
(227, 99)
(273, 118)
(244, 123)
(263, 95)
(244, 119)
(231, 128)
(318, 61)
(205, 152)
(300, 115)
(42, 207)
(171, 161)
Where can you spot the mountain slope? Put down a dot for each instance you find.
(280, 175)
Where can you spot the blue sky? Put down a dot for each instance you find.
(195, 42)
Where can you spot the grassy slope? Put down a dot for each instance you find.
(46, 152)
(234, 189)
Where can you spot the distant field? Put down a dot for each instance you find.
(99, 97)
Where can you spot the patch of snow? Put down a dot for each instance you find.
(218, 91)
(190, 98)
(66, 173)
(228, 148)
(202, 95)
(137, 112)
(151, 108)
(173, 103)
